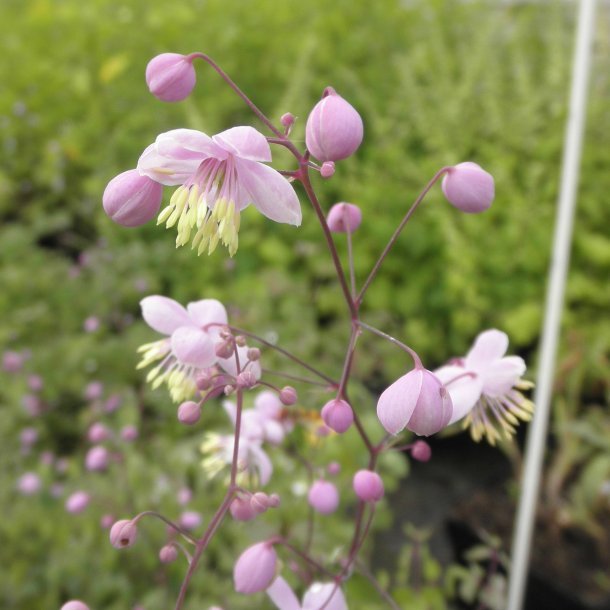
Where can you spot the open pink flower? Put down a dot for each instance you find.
(319, 595)
(218, 177)
(484, 388)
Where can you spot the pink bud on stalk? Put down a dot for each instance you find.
(417, 401)
(123, 534)
(323, 497)
(288, 395)
(96, 459)
(129, 433)
(242, 510)
(343, 217)
(98, 433)
(421, 451)
(170, 76)
(77, 502)
(338, 415)
(255, 569)
(328, 169)
(189, 413)
(334, 129)
(132, 200)
(287, 119)
(29, 484)
(168, 553)
(74, 604)
(468, 187)
(368, 486)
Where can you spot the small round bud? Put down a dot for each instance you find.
(254, 354)
(168, 553)
(259, 502)
(129, 433)
(468, 187)
(242, 510)
(123, 534)
(184, 496)
(334, 129)
(246, 380)
(225, 348)
(288, 395)
(328, 169)
(170, 76)
(29, 484)
(343, 217)
(190, 519)
(74, 604)
(35, 383)
(203, 381)
(96, 459)
(240, 340)
(287, 119)
(323, 497)
(77, 502)
(274, 500)
(421, 451)
(28, 436)
(255, 569)
(98, 433)
(368, 486)
(334, 468)
(93, 390)
(106, 521)
(338, 415)
(132, 200)
(189, 413)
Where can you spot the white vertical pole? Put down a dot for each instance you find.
(554, 303)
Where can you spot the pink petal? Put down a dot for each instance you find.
(397, 403)
(262, 463)
(270, 192)
(464, 392)
(489, 346)
(163, 314)
(208, 311)
(282, 595)
(244, 142)
(170, 172)
(268, 404)
(230, 409)
(193, 346)
(188, 144)
(434, 408)
(318, 594)
(502, 375)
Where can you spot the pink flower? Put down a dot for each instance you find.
(468, 187)
(368, 486)
(123, 534)
(334, 129)
(319, 595)
(343, 217)
(484, 388)
(217, 177)
(170, 76)
(417, 401)
(255, 568)
(338, 415)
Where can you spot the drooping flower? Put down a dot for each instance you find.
(319, 595)
(171, 76)
(189, 346)
(484, 387)
(218, 177)
(469, 187)
(255, 568)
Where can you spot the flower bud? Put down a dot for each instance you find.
(191, 519)
(246, 380)
(132, 200)
(98, 433)
(421, 451)
(129, 433)
(368, 486)
(106, 521)
(29, 484)
(203, 380)
(168, 553)
(334, 129)
(255, 569)
(338, 415)
(189, 413)
(28, 436)
(12, 362)
(274, 500)
(123, 534)
(96, 459)
(328, 169)
(225, 348)
(77, 502)
(334, 468)
(240, 340)
(259, 502)
(242, 510)
(323, 497)
(344, 217)
(170, 76)
(468, 187)
(287, 119)
(288, 395)
(417, 401)
(35, 383)
(254, 354)
(74, 604)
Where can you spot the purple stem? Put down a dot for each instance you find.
(406, 348)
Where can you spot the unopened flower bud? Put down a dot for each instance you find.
(287, 119)
(242, 510)
(123, 534)
(344, 217)
(98, 433)
(35, 383)
(170, 76)
(189, 413)
(259, 502)
(334, 129)
(132, 200)
(334, 468)
(96, 459)
(254, 354)
(288, 395)
(129, 433)
(74, 604)
(274, 500)
(255, 569)
(468, 187)
(29, 484)
(203, 381)
(28, 436)
(368, 486)
(421, 451)
(240, 340)
(328, 169)
(225, 348)
(168, 553)
(77, 502)
(323, 497)
(246, 380)
(338, 415)
(190, 519)
(106, 521)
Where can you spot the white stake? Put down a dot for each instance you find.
(554, 304)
